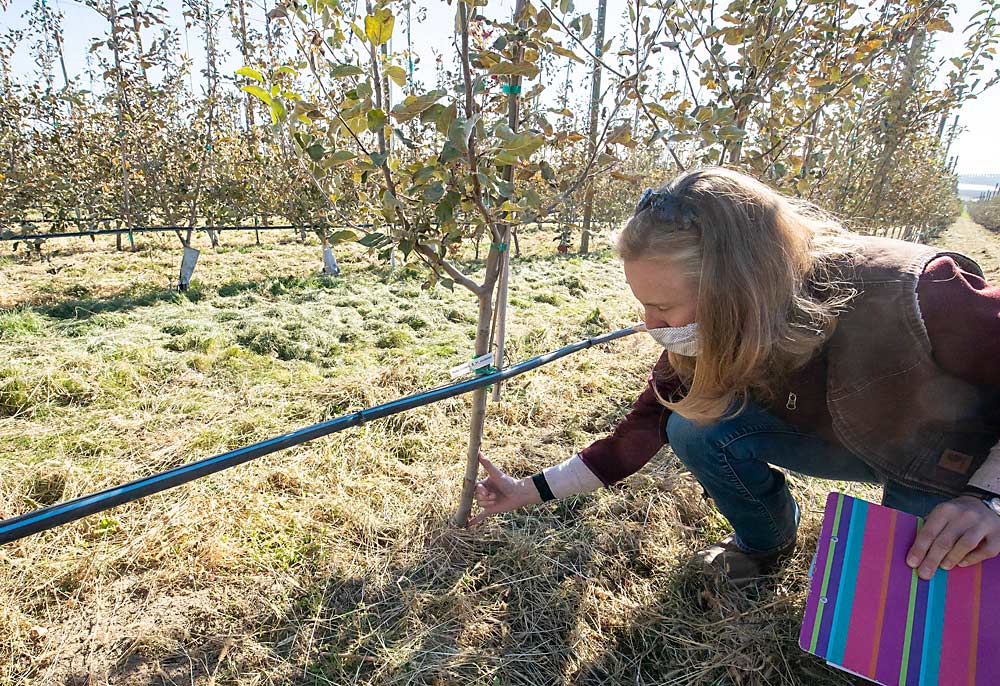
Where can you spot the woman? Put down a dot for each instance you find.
(792, 342)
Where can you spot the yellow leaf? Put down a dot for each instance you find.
(939, 24)
(378, 27)
(397, 74)
(560, 50)
(544, 21)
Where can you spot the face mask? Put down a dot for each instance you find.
(682, 340)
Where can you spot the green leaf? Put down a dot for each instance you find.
(343, 70)
(413, 105)
(449, 153)
(446, 118)
(343, 237)
(397, 74)
(586, 26)
(390, 202)
(424, 174)
(406, 141)
(372, 240)
(259, 92)
(524, 144)
(434, 192)
(277, 111)
(378, 27)
(376, 120)
(315, 152)
(432, 114)
(340, 157)
(732, 133)
(514, 69)
(445, 210)
(250, 74)
(547, 172)
(364, 90)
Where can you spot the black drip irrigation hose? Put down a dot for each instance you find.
(162, 229)
(61, 513)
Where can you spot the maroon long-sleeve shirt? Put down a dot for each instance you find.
(961, 312)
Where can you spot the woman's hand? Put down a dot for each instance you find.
(959, 532)
(499, 492)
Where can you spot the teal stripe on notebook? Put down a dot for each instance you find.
(848, 580)
(932, 631)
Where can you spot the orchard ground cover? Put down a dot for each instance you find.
(334, 562)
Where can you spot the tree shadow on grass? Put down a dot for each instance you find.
(141, 296)
(541, 596)
(134, 298)
(477, 606)
(699, 629)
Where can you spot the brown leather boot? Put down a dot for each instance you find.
(740, 568)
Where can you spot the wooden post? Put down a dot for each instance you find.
(513, 121)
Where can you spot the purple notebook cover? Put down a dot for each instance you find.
(870, 614)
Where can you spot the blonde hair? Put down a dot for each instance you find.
(765, 267)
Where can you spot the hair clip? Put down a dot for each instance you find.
(644, 200)
(666, 207)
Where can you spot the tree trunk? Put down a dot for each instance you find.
(483, 329)
(478, 417)
(246, 61)
(126, 194)
(595, 105)
(898, 131)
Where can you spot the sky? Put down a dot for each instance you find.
(977, 146)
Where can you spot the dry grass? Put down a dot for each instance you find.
(333, 563)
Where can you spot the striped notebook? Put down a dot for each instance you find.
(870, 614)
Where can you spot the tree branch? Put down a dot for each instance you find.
(555, 15)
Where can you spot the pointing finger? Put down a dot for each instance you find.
(489, 466)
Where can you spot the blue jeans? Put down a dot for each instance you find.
(732, 460)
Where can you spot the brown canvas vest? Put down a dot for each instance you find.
(891, 403)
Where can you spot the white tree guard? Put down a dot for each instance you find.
(330, 262)
(188, 262)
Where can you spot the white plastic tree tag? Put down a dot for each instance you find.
(472, 365)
